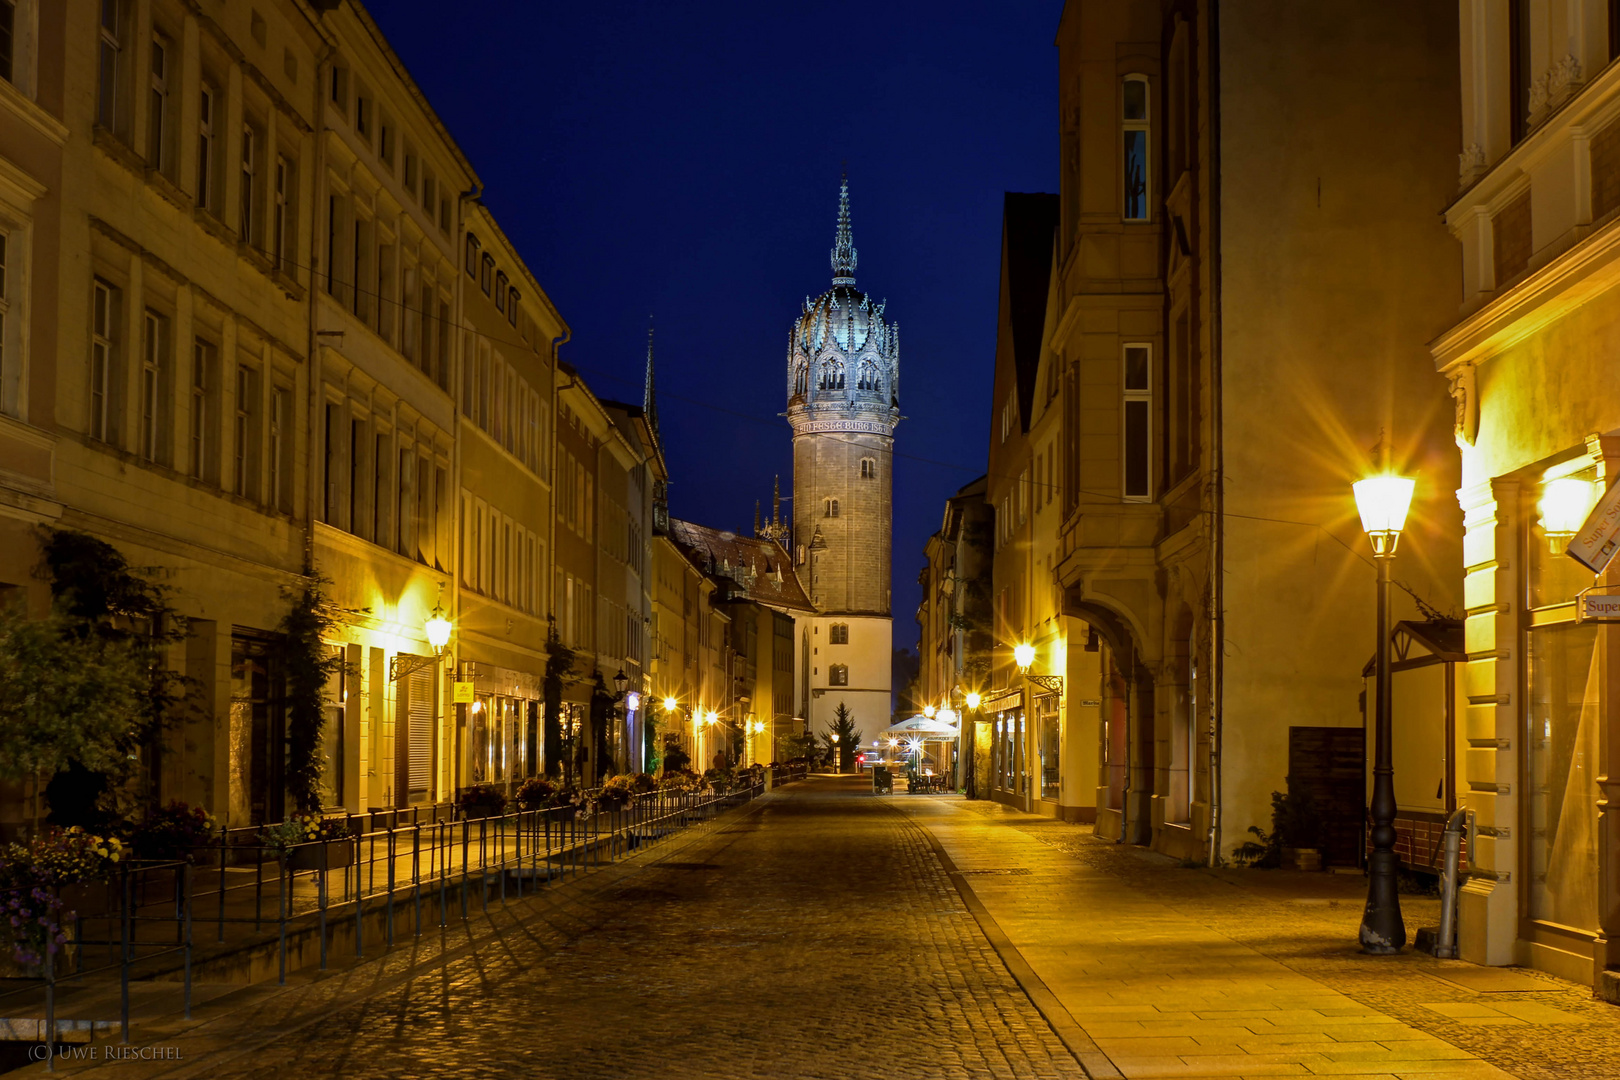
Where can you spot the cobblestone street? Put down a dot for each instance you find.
(820, 932)
(813, 934)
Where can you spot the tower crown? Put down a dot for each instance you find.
(843, 355)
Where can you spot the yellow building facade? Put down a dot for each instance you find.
(1527, 359)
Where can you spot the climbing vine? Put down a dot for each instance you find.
(310, 664)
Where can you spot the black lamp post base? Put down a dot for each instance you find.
(1383, 932)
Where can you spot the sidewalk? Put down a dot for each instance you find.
(1149, 969)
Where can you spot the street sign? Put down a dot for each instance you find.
(1597, 607)
(464, 692)
(1599, 536)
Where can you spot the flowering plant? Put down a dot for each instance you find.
(719, 779)
(535, 793)
(62, 857)
(615, 793)
(304, 829)
(678, 780)
(642, 784)
(34, 917)
(172, 832)
(482, 798)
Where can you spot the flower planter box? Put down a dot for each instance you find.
(330, 856)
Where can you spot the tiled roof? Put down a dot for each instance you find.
(757, 570)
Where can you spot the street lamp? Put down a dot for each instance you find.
(1023, 656)
(928, 711)
(973, 700)
(437, 630)
(621, 682)
(1382, 502)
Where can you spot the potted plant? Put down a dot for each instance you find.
(535, 793)
(615, 794)
(481, 801)
(311, 841)
(1295, 836)
(177, 831)
(643, 784)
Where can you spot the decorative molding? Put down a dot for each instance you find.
(1470, 164)
(864, 427)
(1464, 396)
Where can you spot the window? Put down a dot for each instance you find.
(832, 375)
(838, 634)
(1614, 29)
(1186, 401)
(205, 147)
(385, 144)
(8, 40)
(362, 116)
(405, 540)
(1134, 149)
(203, 358)
(472, 256)
(340, 89)
(869, 379)
(410, 173)
(157, 124)
(801, 378)
(512, 307)
(486, 273)
(110, 66)
(103, 358)
(279, 490)
(829, 508)
(154, 387)
(245, 434)
(250, 165)
(430, 192)
(1519, 73)
(444, 215)
(500, 291)
(838, 675)
(1138, 400)
(868, 468)
(278, 214)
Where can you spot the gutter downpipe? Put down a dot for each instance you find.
(1218, 545)
(1445, 946)
(457, 412)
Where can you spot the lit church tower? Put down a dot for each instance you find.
(843, 402)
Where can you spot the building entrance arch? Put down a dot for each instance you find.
(1124, 697)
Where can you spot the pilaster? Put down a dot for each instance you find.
(1488, 903)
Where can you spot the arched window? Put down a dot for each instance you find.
(829, 508)
(1134, 122)
(869, 380)
(832, 376)
(838, 675)
(838, 634)
(801, 378)
(868, 468)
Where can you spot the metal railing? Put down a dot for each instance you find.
(399, 878)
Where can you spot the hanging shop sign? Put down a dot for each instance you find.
(1599, 536)
(1594, 606)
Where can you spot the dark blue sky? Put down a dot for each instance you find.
(682, 160)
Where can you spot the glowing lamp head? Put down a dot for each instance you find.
(1023, 655)
(1564, 505)
(948, 716)
(711, 717)
(669, 704)
(438, 630)
(928, 711)
(632, 701)
(893, 743)
(973, 699)
(1383, 502)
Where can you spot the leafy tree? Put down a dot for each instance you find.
(311, 664)
(559, 662)
(651, 741)
(849, 736)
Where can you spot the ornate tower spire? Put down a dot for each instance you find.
(649, 399)
(843, 252)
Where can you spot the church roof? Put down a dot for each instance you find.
(756, 569)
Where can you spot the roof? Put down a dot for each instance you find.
(755, 568)
(1029, 221)
(1438, 641)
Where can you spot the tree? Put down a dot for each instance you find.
(311, 664)
(559, 662)
(849, 736)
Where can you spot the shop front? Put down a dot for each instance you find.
(501, 728)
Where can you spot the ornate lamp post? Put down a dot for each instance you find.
(1383, 502)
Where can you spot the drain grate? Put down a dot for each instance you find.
(1005, 871)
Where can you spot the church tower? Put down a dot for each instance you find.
(843, 403)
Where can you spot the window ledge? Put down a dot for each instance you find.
(32, 114)
(169, 190)
(119, 151)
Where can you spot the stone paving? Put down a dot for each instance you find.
(1170, 971)
(824, 933)
(812, 934)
